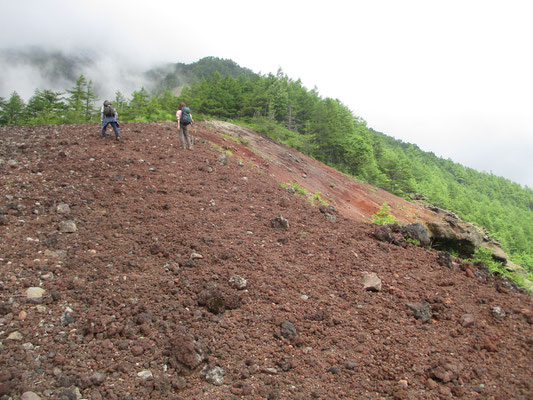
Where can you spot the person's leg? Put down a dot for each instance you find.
(187, 138)
(103, 129)
(115, 129)
(181, 137)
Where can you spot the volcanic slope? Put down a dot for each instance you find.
(137, 270)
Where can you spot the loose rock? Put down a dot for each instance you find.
(371, 282)
(63, 208)
(421, 311)
(35, 294)
(214, 375)
(288, 329)
(280, 223)
(30, 396)
(468, 320)
(67, 227)
(238, 282)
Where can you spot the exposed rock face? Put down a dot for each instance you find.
(463, 237)
(450, 231)
(418, 232)
(497, 253)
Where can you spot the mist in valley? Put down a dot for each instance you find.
(29, 68)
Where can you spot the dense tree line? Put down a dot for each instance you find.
(323, 128)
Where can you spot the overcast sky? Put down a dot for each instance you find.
(453, 77)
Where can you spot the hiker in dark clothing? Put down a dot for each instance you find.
(184, 117)
(109, 116)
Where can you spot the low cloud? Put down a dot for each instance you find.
(27, 69)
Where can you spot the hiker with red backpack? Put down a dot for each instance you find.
(109, 115)
(184, 117)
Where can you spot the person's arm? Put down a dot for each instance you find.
(178, 115)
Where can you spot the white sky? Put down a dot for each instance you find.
(453, 77)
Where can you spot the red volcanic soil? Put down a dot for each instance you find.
(175, 274)
(354, 199)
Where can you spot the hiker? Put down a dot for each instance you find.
(184, 117)
(109, 115)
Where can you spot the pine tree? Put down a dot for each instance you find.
(13, 110)
(89, 99)
(137, 109)
(3, 103)
(76, 100)
(45, 107)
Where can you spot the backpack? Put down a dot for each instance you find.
(109, 111)
(185, 118)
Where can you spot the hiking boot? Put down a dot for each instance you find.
(117, 138)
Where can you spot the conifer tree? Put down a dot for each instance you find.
(76, 100)
(81, 101)
(45, 107)
(89, 98)
(13, 110)
(120, 102)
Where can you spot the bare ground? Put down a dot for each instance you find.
(175, 284)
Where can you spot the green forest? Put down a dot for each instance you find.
(323, 128)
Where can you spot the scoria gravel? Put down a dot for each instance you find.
(174, 274)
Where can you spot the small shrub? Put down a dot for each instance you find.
(383, 216)
(297, 188)
(484, 256)
(413, 241)
(318, 198)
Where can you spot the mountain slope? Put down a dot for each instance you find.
(30, 68)
(174, 76)
(142, 295)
